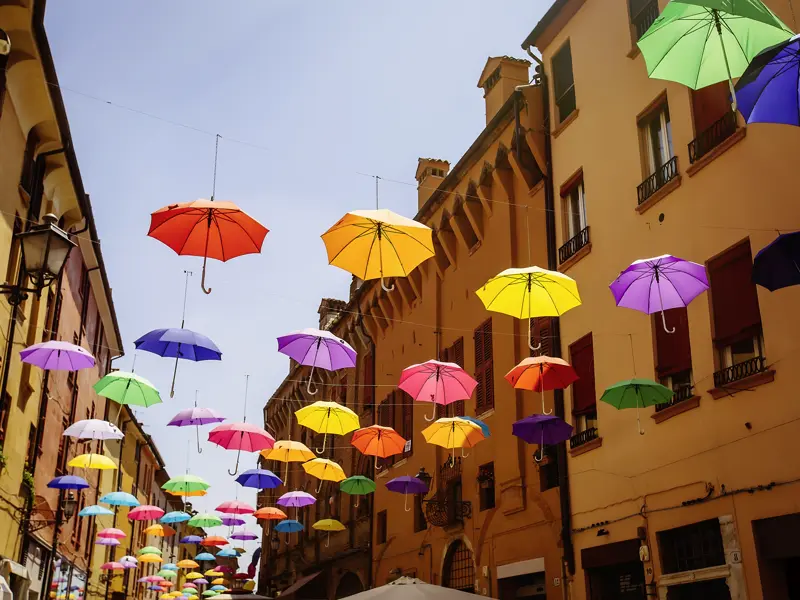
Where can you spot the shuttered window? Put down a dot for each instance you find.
(406, 407)
(581, 354)
(673, 351)
(386, 418)
(541, 333)
(369, 380)
(733, 296)
(484, 367)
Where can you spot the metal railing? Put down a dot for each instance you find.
(663, 175)
(450, 470)
(712, 137)
(444, 513)
(682, 393)
(575, 243)
(583, 437)
(642, 20)
(740, 371)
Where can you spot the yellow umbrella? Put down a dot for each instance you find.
(324, 470)
(194, 575)
(288, 451)
(159, 530)
(373, 244)
(92, 461)
(187, 563)
(150, 558)
(328, 525)
(530, 292)
(213, 573)
(218, 581)
(327, 417)
(453, 432)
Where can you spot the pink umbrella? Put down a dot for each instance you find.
(145, 512)
(189, 584)
(111, 532)
(57, 356)
(235, 507)
(224, 568)
(240, 436)
(111, 566)
(437, 382)
(150, 579)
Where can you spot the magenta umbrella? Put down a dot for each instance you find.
(657, 284)
(145, 512)
(232, 521)
(240, 436)
(196, 416)
(57, 356)
(318, 349)
(111, 532)
(235, 507)
(437, 382)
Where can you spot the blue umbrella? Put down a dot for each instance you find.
(260, 479)
(289, 526)
(68, 482)
(204, 556)
(484, 427)
(769, 89)
(231, 552)
(776, 265)
(95, 510)
(176, 516)
(218, 588)
(191, 539)
(170, 567)
(119, 499)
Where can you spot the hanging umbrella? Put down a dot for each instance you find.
(327, 418)
(453, 432)
(232, 521)
(129, 562)
(357, 485)
(289, 526)
(288, 451)
(530, 292)
(243, 535)
(195, 494)
(128, 389)
(269, 513)
(111, 532)
(484, 427)
(182, 484)
(768, 91)
(374, 244)
(218, 581)
(218, 230)
(93, 429)
(636, 393)
(378, 441)
(192, 576)
(213, 573)
(94, 510)
(145, 512)
(208, 593)
(235, 507)
(227, 552)
(195, 417)
(657, 284)
(201, 581)
(204, 556)
(324, 470)
(92, 461)
(407, 486)
(542, 429)
(150, 550)
(57, 356)
(776, 265)
(218, 588)
(204, 520)
(159, 530)
(323, 525)
(695, 43)
(119, 499)
(68, 482)
(260, 479)
(187, 564)
(150, 558)
(437, 382)
(214, 540)
(103, 541)
(540, 373)
(166, 573)
(190, 539)
(296, 499)
(111, 566)
(317, 348)
(176, 516)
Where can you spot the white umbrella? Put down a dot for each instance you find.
(129, 562)
(94, 429)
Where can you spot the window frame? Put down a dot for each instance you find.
(381, 527)
(660, 113)
(484, 367)
(574, 185)
(487, 500)
(568, 90)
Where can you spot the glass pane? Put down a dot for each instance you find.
(656, 143)
(668, 128)
(743, 351)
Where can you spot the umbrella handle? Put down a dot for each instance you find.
(236, 468)
(311, 387)
(433, 415)
(377, 468)
(319, 487)
(358, 499)
(174, 375)
(530, 343)
(405, 504)
(638, 421)
(324, 442)
(328, 540)
(386, 289)
(203, 277)
(664, 323)
(199, 449)
(462, 454)
(544, 412)
(541, 455)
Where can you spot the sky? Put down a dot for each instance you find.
(309, 98)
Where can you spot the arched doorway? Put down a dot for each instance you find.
(349, 584)
(459, 568)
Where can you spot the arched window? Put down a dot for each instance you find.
(459, 568)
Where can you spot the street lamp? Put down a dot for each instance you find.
(69, 505)
(425, 478)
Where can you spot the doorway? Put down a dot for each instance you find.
(614, 572)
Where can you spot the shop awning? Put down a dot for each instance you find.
(298, 584)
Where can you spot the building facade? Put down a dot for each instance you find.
(703, 505)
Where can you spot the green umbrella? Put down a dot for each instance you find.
(188, 591)
(702, 42)
(209, 593)
(128, 388)
(149, 550)
(205, 520)
(167, 574)
(637, 393)
(185, 484)
(357, 485)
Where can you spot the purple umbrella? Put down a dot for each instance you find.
(57, 356)
(296, 499)
(243, 534)
(103, 541)
(317, 348)
(542, 429)
(196, 416)
(407, 485)
(191, 539)
(232, 521)
(657, 284)
(178, 343)
(260, 479)
(68, 482)
(201, 581)
(769, 89)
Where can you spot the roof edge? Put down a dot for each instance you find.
(544, 23)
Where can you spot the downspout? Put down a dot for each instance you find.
(360, 324)
(119, 485)
(552, 264)
(133, 525)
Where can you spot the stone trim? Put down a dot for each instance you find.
(587, 447)
(665, 191)
(570, 262)
(743, 385)
(676, 409)
(717, 151)
(565, 123)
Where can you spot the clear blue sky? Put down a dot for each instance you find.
(325, 90)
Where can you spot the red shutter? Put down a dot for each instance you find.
(709, 104)
(369, 380)
(488, 365)
(541, 334)
(457, 353)
(480, 392)
(733, 295)
(673, 351)
(581, 355)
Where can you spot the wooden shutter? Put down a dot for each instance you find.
(408, 419)
(456, 355)
(484, 367)
(581, 355)
(541, 333)
(709, 105)
(369, 380)
(733, 295)
(673, 350)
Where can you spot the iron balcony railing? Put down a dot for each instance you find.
(712, 137)
(740, 371)
(575, 243)
(583, 437)
(663, 175)
(682, 393)
(444, 513)
(645, 18)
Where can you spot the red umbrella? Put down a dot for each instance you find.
(240, 436)
(540, 373)
(214, 540)
(206, 228)
(145, 512)
(234, 507)
(241, 576)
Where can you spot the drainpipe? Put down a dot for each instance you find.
(122, 428)
(360, 324)
(558, 395)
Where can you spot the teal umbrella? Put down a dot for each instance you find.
(702, 42)
(357, 485)
(637, 393)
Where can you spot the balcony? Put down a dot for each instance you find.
(571, 247)
(646, 16)
(663, 175)
(583, 437)
(740, 371)
(712, 137)
(682, 393)
(446, 512)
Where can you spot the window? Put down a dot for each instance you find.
(420, 523)
(573, 203)
(643, 14)
(691, 547)
(386, 419)
(660, 163)
(564, 82)
(548, 469)
(453, 354)
(62, 448)
(31, 446)
(459, 568)
(28, 176)
(714, 122)
(484, 366)
(486, 493)
(12, 268)
(541, 329)
(584, 399)
(711, 589)
(369, 380)
(381, 526)
(674, 353)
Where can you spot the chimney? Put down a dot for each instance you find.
(430, 173)
(500, 76)
(329, 310)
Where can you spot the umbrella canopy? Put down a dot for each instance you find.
(57, 356)
(288, 451)
(296, 499)
(357, 485)
(68, 482)
(149, 579)
(201, 581)
(94, 429)
(127, 388)
(244, 535)
(378, 441)
(437, 382)
(326, 525)
(327, 418)
(145, 512)
(176, 516)
(149, 550)
(194, 494)
(111, 532)
(235, 507)
(407, 486)
(191, 576)
(542, 429)
(289, 526)
(150, 558)
(92, 461)
(95, 510)
(187, 564)
(159, 530)
(768, 91)
(191, 539)
(776, 265)
(170, 567)
(213, 573)
(204, 556)
(218, 588)
(324, 470)
(196, 416)
(227, 552)
(232, 521)
(318, 348)
(260, 479)
(484, 427)
(129, 562)
(204, 520)
(540, 373)
(185, 483)
(214, 540)
(179, 343)
(269, 513)
(218, 581)
(453, 432)
(637, 393)
(241, 436)
(103, 541)
(208, 593)
(119, 499)
(166, 573)
(111, 566)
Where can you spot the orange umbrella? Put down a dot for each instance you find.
(270, 513)
(206, 228)
(540, 373)
(159, 530)
(378, 441)
(214, 540)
